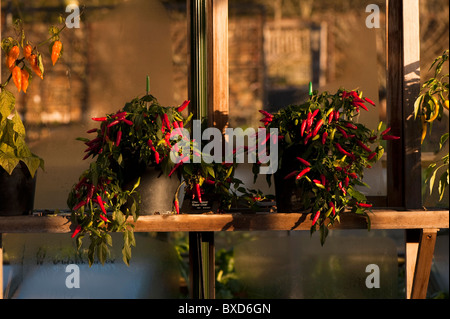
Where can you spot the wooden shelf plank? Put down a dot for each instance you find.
(380, 219)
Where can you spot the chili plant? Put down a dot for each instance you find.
(337, 150)
(23, 60)
(137, 134)
(429, 106)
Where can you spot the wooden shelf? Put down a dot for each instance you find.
(380, 219)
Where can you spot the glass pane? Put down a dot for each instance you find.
(434, 40)
(294, 265)
(41, 266)
(105, 63)
(278, 47)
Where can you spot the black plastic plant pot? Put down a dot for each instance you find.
(156, 190)
(290, 197)
(17, 191)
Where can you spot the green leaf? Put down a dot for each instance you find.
(432, 178)
(7, 103)
(417, 104)
(18, 125)
(102, 252)
(443, 139)
(8, 160)
(323, 234)
(33, 163)
(360, 197)
(443, 183)
(211, 171)
(108, 239)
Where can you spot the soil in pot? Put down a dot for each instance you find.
(17, 191)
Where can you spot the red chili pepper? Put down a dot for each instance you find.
(76, 231)
(119, 137)
(336, 115)
(317, 182)
(390, 137)
(316, 217)
(353, 175)
(183, 106)
(177, 208)
(331, 204)
(119, 115)
(308, 137)
(317, 128)
(99, 119)
(343, 132)
(342, 188)
(323, 179)
(352, 126)
(100, 203)
(303, 127)
(360, 104)
(303, 172)
(156, 157)
(308, 121)
(346, 181)
(324, 137)
(80, 183)
(364, 205)
(94, 130)
(79, 205)
(316, 111)
(363, 146)
(115, 122)
(263, 142)
(166, 120)
(339, 147)
(175, 168)
(198, 191)
(305, 162)
(386, 131)
(150, 144)
(372, 155)
(369, 101)
(330, 117)
(209, 182)
(290, 175)
(167, 139)
(86, 156)
(266, 114)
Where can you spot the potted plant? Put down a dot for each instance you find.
(323, 152)
(132, 173)
(18, 165)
